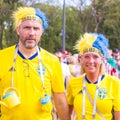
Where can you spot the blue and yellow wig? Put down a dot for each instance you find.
(29, 13)
(93, 42)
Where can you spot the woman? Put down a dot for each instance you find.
(94, 95)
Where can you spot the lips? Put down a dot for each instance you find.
(30, 40)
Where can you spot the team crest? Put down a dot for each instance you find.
(43, 70)
(102, 93)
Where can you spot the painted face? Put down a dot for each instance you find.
(91, 62)
(29, 33)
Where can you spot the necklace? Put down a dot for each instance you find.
(95, 98)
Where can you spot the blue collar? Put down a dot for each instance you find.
(21, 55)
(95, 81)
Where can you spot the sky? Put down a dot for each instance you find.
(75, 2)
(60, 2)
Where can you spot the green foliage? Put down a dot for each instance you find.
(112, 24)
(51, 39)
(101, 16)
(7, 35)
(73, 27)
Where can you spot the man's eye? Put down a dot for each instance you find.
(26, 27)
(36, 28)
(86, 56)
(96, 57)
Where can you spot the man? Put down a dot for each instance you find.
(32, 71)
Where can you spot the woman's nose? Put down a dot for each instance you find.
(91, 60)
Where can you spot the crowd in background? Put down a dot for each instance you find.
(71, 63)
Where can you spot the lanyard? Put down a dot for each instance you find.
(95, 98)
(45, 98)
(39, 62)
(40, 66)
(13, 66)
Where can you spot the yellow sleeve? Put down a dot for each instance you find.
(116, 93)
(57, 80)
(70, 97)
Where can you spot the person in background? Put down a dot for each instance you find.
(65, 56)
(110, 65)
(95, 94)
(116, 56)
(32, 71)
(74, 66)
(65, 69)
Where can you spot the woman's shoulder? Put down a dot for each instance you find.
(112, 79)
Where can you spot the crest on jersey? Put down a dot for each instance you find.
(102, 93)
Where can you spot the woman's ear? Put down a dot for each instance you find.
(102, 59)
(42, 31)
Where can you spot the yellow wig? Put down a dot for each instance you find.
(84, 42)
(21, 13)
(92, 42)
(29, 13)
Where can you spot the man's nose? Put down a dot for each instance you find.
(32, 31)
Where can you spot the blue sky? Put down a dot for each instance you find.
(75, 3)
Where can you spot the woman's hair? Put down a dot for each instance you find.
(92, 42)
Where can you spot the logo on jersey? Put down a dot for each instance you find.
(43, 70)
(102, 93)
(12, 69)
(80, 92)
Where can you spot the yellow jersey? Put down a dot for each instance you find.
(108, 97)
(27, 80)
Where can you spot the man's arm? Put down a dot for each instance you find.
(70, 109)
(61, 106)
(117, 115)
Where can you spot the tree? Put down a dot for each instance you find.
(102, 17)
(6, 30)
(111, 24)
(52, 39)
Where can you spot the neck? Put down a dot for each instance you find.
(27, 53)
(92, 77)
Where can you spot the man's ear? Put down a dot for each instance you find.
(17, 30)
(42, 31)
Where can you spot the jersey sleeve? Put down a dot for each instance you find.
(70, 97)
(57, 80)
(116, 89)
